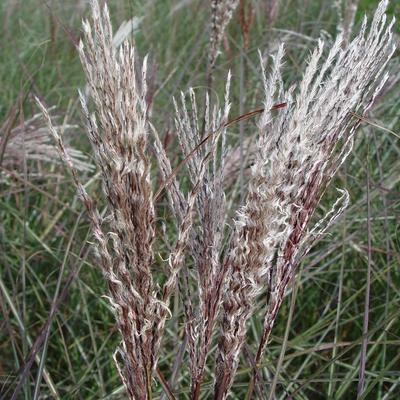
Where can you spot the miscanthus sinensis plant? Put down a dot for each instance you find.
(233, 263)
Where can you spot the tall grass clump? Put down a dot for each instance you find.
(301, 143)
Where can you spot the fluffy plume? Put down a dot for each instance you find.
(206, 235)
(298, 153)
(299, 149)
(221, 14)
(31, 141)
(118, 131)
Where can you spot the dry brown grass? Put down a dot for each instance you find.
(299, 149)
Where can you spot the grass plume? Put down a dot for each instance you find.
(300, 147)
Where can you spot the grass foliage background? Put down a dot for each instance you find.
(44, 233)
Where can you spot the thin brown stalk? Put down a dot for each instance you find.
(363, 358)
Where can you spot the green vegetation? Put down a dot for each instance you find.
(45, 251)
